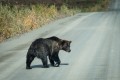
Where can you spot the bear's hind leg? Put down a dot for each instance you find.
(29, 61)
(45, 62)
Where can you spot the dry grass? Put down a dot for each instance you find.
(17, 20)
(20, 19)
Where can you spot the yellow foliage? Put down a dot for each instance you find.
(14, 22)
(29, 21)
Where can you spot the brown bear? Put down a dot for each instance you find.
(43, 47)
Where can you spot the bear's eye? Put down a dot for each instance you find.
(68, 44)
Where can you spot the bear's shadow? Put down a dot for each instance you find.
(41, 66)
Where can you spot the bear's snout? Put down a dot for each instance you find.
(68, 50)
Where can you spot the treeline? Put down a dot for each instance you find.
(58, 3)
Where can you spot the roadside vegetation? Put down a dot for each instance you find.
(18, 19)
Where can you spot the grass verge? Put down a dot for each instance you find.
(19, 19)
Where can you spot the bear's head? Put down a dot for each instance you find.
(65, 45)
(61, 44)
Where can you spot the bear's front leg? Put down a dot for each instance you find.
(51, 61)
(57, 60)
(57, 64)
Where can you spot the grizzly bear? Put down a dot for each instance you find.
(43, 47)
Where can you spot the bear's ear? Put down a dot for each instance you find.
(63, 42)
(70, 41)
